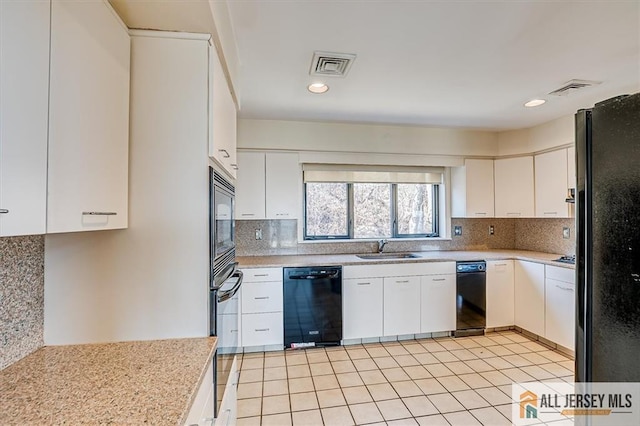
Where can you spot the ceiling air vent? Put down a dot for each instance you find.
(331, 64)
(572, 86)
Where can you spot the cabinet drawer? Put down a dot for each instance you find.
(262, 297)
(561, 274)
(262, 274)
(262, 329)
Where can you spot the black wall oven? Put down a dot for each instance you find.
(225, 280)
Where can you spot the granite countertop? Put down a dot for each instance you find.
(145, 382)
(425, 256)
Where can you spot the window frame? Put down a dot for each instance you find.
(393, 211)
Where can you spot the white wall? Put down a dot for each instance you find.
(548, 135)
(364, 138)
(149, 281)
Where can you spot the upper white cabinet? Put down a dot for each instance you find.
(24, 88)
(529, 296)
(268, 186)
(500, 293)
(514, 187)
(250, 186)
(222, 143)
(551, 184)
(473, 189)
(88, 118)
(282, 185)
(571, 167)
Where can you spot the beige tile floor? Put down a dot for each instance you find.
(444, 381)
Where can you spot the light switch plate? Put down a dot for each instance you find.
(457, 230)
(491, 230)
(566, 233)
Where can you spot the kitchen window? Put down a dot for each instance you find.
(343, 202)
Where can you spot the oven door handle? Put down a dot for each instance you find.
(222, 297)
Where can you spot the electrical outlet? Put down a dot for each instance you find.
(491, 230)
(566, 233)
(258, 234)
(457, 230)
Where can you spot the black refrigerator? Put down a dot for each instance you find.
(608, 241)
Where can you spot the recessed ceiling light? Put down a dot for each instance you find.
(535, 102)
(318, 87)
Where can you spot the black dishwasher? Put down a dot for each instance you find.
(312, 306)
(471, 298)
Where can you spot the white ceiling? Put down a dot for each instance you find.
(456, 63)
(465, 64)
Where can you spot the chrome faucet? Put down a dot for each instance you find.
(381, 244)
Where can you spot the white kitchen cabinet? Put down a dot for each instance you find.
(514, 195)
(472, 193)
(250, 186)
(24, 85)
(88, 118)
(362, 306)
(551, 184)
(438, 303)
(228, 410)
(500, 293)
(560, 306)
(268, 186)
(262, 307)
(223, 125)
(401, 305)
(283, 179)
(529, 296)
(571, 167)
(201, 411)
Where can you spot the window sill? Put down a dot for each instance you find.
(372, 240)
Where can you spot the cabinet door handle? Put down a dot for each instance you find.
(363, 283)
(225, 153)
(247, 214)
(261, 298)
(282, 214)
(402, 282)
(99, 213)
(261, 275)
(481, 213)
(262, 329)
(438, 279)
(564, 288)
(550, 213)
(4, 211)
(514, 214)
(234, 166)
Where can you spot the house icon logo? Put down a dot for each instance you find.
(528, 405)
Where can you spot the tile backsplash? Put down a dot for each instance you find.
(21, 297)
(280, 237)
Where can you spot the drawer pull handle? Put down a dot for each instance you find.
(364, 283)
(550, 212)
(262, 329)
(402, 282)
(439, 279)
(514, 214)
(247, 214)
(261, 298)
(4, 211)
(99, 213)
(564, 288)
(225, 153)
(261, 275)
(480, 213)
(234, 166)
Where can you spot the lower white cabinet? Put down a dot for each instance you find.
(262, 307)
(228, 410)
(438, 303)
(362, 302)
(201, 412)
(560, 306)
(262, 329)
(529, 296)
(500, 293)
(401, 305)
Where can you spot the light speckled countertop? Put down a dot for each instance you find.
(146, 382)
(425, 256)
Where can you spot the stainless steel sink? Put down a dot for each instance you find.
(374, 256)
